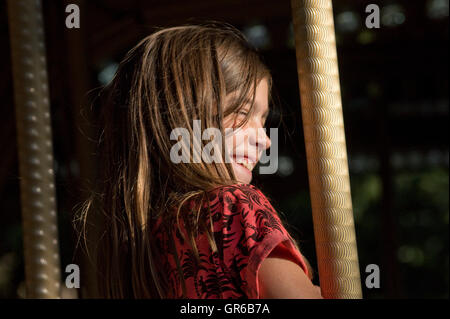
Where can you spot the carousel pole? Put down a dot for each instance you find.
(39, 219)
(326, 152)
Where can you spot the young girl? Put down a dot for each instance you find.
(190, 228)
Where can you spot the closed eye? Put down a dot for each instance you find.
(242, 112)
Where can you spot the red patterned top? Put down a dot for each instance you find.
(246, 229)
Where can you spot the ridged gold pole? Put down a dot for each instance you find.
(326, 151)
(34, 135)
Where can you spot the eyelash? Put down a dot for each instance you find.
(242, 111)
(245, 113)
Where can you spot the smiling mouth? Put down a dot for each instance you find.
(245, 162)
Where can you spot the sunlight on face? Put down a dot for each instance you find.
(246, 144)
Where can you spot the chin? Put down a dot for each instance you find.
(243, 180)
(242, 174)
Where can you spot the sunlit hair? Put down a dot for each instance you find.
(171, 77)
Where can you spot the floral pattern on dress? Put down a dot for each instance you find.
(246, 229)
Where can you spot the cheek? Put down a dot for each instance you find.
(236, 141)
(229, 143)
(229, 121)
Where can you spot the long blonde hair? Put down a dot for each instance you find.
(171, 77)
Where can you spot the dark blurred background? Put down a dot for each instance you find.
(394, 85)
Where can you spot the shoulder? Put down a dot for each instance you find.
(252, 229)
(244, 209)
(244, 195)
(235, 188)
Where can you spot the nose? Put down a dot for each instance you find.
(259, 138)
(266, 142)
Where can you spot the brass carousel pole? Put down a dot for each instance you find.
(326, 152)
(34, 135)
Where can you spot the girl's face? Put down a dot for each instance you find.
(245, 144)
